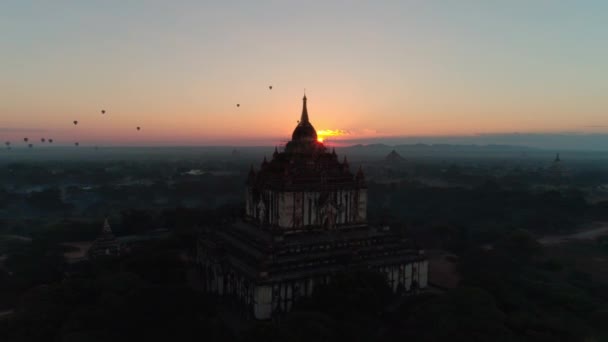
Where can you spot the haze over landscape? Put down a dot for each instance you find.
(400, 72)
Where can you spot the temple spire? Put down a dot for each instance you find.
(360, 177)
(106, 227)
(304, 118)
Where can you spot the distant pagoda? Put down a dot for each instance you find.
(394, 157)
(105, 245)
(305, 220)
(556, 172)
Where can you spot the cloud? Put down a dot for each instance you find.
(333, 132)
(365, 132)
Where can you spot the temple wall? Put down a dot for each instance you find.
(280, 297)
(402, 277)
(265, 300)
(262, 299)
(408, 276)
(311, 215)
(362, 211)
(297, 210)
(424, 273)
(301, 209)
(286, 209)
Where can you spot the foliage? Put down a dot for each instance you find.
(463, 314)
(118, 300)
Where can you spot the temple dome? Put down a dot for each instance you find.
(304, 132)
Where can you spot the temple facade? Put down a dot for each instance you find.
(305, 219)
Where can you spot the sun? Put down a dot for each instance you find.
(322, 134)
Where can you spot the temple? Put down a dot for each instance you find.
(394, 158)
(555, 171)
(305, 219)
(105, 245)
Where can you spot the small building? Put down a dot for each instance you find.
(556, 171)
(105, 245)
(394, 157)
(305, 220)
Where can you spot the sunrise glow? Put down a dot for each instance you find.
(325, 133)
(208, 81)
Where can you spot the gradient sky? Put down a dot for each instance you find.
(370, 68)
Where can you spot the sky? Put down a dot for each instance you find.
(372, 70)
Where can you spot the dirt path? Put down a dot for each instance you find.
(5, 313)
(80, 252)
(596, 230)
(16, 237)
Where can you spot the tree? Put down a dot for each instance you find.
(463, 314)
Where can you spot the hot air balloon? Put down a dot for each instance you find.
(30, 145)
(25, 139)
(50, 141)
(238, 104)
(138, 128)
(270, 87)
(103, 111)
(42, 140)
(76, 144)
(8, 143)
(75, 122)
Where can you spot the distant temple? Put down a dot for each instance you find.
(394, 157)
(305, 220)
(105, 245)
(556, 172)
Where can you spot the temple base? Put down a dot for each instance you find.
(267, 272)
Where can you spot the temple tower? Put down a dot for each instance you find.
(305, 187)
(305, 219)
